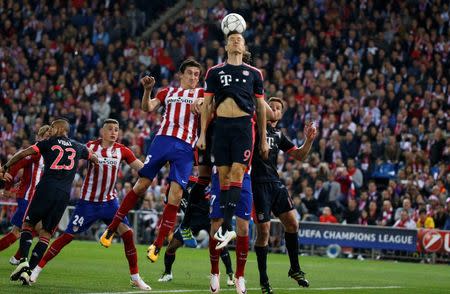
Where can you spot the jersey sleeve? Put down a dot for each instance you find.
(210, 82)
(84, 152)
(161, 95)
(128, 155)
(258, 85)
(286, 145)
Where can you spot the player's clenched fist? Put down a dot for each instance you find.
(148, 82)
(310, 131)
(201, 143)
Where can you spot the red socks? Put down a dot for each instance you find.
(55, 248)
(241, 255)
(7, 240)
(168, 220)
(214, 255)
(127, 204)
(130, 251)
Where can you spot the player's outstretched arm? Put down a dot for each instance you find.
(310, 134)
(207, 109)
(147, 103)
(17, 157)
(262, 123)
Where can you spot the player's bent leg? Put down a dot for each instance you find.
(127, 204)
(168, 220)
(54, 250)
(261, 250)
(288, 219)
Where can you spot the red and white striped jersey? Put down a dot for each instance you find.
(33, 167)
(178, 120)
(100, 181)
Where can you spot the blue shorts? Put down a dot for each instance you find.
(17, 218)
(86, 213)
(178, 153)
(244, 206)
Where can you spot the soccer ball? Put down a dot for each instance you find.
(233, 22)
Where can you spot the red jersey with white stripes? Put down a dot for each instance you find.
(100, 181)
(178, 120)
(32, 171)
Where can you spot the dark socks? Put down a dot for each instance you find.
(261, 255)
(292, 248)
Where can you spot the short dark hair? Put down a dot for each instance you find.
(234, 33)
(276, 99)
(422, 210)
(110, 121)
(190, 62)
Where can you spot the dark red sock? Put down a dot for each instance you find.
(214, 255)
(55, 248)
(168, 220)
(127, 204)
(7, 240)
(241, 255)
(130, 251)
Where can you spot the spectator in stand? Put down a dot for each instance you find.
(327, 216)
(373, 214)
(424, 221)
(311, 204)
(387, 216)
(405, 221)
(351, 213)
(406, 205)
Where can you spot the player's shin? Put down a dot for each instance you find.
(214, 255)
(26, 239)
(169, 259)
(127, 204)
(261, 255)
(168, 221)
(196, 194)
(226, 259)
(292, 248)
(233, 198)
(130, 252)
(38, 251)
(55, 248)
(241, 255)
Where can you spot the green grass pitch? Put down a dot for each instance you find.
(86, 267)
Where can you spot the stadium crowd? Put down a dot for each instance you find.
(372, 78)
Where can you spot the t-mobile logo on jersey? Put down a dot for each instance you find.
(225, 80)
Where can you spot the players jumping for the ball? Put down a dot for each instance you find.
(174, 144)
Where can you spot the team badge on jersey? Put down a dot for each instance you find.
(246, 73)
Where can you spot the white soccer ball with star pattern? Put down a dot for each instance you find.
(233, 22)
